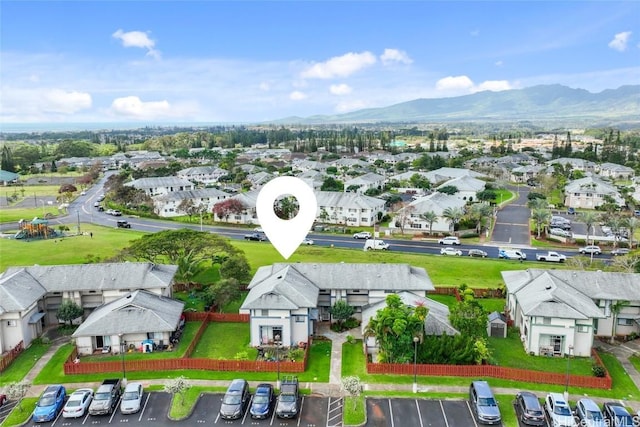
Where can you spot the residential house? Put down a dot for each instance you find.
(177, 202)
(589, 193)
(259, 179)
(468, 187)
(286, 301)
(368, 181)
(249, 214)
(31, 296)
(562, 311)
(527, 172)
(616, 172)
(7, 177)
(352, 209)
(202, 174)
(583, 165)
(128, 322)
(161, 185)
(441, 175)
(347, 163)
(434, 202)
(313, 178)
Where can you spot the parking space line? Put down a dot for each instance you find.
(144, 407)
(217, 418)
(248, 409)
(419, 414)
(391, 412)
(300, 411)
(444, 415)
(471, 413)
(86, 417)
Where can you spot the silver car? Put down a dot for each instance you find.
(132, 398)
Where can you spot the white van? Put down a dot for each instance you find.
(376, 244)
(511, 254)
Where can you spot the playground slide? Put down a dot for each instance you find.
(20, 234)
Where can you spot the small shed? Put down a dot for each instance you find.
(497, 325)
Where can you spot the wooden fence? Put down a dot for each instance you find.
(11, 355)
(186, 362)
(481, 371)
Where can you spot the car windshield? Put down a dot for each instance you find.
(260, 398)
(561, 410)
(72, 403)
(594, 415)
(130, 395)
(102, 396)
(624, 421)
(534, 412)
(287, 398)
(47, 400)
(486, 401)
(232, 399)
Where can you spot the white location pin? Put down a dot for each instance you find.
(286, 235)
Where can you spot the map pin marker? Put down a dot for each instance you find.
(286, 235)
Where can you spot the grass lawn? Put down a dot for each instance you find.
(18, 417)
(317, 370)
(190, 329)
(224, 341)
(192, 300)
(23, 363)
(12, 215)
(106, 242)
(489, 304)
(354, 411)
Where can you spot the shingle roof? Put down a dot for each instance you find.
(436, 202)
(285, 288)
(368, 178)
(466, 183)
(348, 200)
(202, 193)
(139, 311)
(164, 181)
(18, 291)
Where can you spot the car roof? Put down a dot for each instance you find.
(263, 388)
(589, 404)
(482, 387)
(558, 398)
(617, 408)
(529, 398)
(236, 385)
(52, 389)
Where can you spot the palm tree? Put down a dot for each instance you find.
(480, 211)
(589, 218)
(534, 204)
(430, 217)
(453, 215)
(614, 222)
(540, 216)
(632, 224)
(616, 308)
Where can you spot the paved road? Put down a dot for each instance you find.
(512, 221)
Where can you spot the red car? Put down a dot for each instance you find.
(3, 399)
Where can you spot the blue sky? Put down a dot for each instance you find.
(215, 61)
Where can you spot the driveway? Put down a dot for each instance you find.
(512, 221)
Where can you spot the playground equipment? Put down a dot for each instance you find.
(38, 228)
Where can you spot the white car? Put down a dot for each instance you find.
(131, 398)
(307, 241)
(449, 240)
(591, 249)
(362, 235)
(559, 411)
(78, 403)
(450, 251)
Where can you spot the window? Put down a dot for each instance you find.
(299, 319)
(546, 320)
(12, 323)
(625, 322)
(582, 328)
(416, 225)
(264, 312)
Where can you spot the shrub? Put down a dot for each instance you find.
(598, 371)
(350, 339)
(297, 354)
(351, 323)
(241, 355)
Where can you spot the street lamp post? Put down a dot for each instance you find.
(566, 387)
(415, 364)
(123, 348)
(278, 344)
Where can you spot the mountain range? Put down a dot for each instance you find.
(547, 103)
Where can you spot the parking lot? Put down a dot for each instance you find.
(419, 413)
(5, 409)
(315, 412)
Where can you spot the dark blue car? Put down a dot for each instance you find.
(50, 404)
(262, 401)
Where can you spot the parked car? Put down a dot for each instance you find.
(96, 204)
(591, 249)
(571, 211)
(560, 232)
(449, 240)
(50, 404)
(287, 405)
(256, 237)
(307, 241)
(506, 253)
(235, 400)
(620, 251)
(116, 212)
(616, 415)
(589, 413)
(131, 398)
(477, 253)
(529, 410)
(561, 225)
(78, 403)
(3, 399)
(376, 244)
(558, 411)
(483, 403)
(362, 235)
(258, 230)
(451, 251)
(263, 400)
(123, 224)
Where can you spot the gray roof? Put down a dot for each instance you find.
(368, 178)
(139, 311)
(466, 183)
(436, 322)
(436, 202)
(200, 170)
(248, 198)
(614, 167)
(8, 176)
(444, 174)
(203, 193)
(590, 184)
(292, 286)
(348, 200)
(24, 283)
(163, 181)
(493, 316)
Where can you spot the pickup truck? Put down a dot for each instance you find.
(551, 256)
(106, 397)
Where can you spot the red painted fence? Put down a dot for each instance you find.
(11, 355)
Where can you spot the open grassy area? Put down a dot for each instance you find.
(19, 416)
(13, 215)
(224, 341)
(23, 363)
(489, 304)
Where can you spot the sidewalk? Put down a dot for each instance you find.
(332, 388)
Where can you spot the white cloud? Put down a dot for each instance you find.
(296, 95)
(341, 89)
(61, 101)
(620, 41)
(137, 39)
(339, 66)
(264, 86)
(391, 56)
(454, 84)
(134, 107)
(493, 85)
(499, 64)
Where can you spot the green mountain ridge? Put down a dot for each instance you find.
(536, 103)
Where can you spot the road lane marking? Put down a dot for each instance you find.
(444, 415)
(144, 407)
(419, 414)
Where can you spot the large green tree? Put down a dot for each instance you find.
(341, 311)
(6, 160)
(469, 318)
(394, 328)
(68, 311)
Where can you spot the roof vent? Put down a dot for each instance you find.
(548, 287)
(279, 277)
(128, 296)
